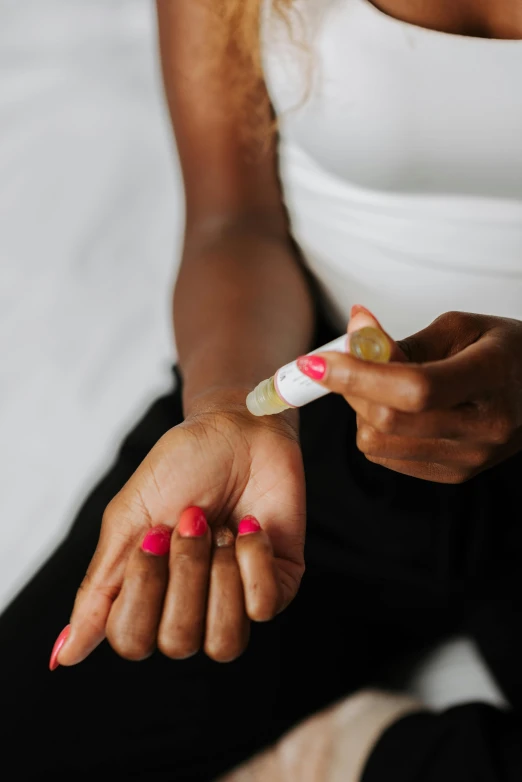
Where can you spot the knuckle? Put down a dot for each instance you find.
(223, 650)
(85, 586)
(501, 430)
(501, 364)
(451, 317)
(500, 359)
(477, 457)
(183, 560)
(384, 419)
(186, 561)
(454, 320)
(111, 511)
(264, 608)
(375, 459)
(418, 394)
(343, 376)
(368, 440)
(131, 647)
(178, 648)
(458, 476)
(264, 614)
(91, 583)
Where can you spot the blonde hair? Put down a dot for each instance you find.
(239, 33)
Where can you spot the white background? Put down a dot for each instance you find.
(90, 222)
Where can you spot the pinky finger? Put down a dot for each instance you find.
(258, 571)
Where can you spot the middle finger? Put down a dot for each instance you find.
(466, 422)
(182, 623)
(389, 446)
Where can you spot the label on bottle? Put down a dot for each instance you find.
(297, 389)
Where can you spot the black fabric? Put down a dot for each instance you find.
(474, 742)
(393, 565)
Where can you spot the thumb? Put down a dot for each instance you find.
(97, 593)
(361, 318)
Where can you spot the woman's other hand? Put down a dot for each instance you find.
(206, 535)
(448, 406)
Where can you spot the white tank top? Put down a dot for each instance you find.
(402, 167)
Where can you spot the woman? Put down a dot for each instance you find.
(397, 182)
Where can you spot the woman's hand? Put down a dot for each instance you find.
(447, 407)
(197, 585)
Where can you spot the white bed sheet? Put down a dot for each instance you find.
(91, 216)
(90, 223)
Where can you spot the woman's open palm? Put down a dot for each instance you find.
(163, 577)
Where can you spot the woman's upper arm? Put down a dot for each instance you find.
(225, 182)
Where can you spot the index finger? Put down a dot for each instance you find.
(135, 614)
(96, 595)
(412, 388)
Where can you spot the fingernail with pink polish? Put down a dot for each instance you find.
(58, 644)
(157, 541)
(313, 367)
(192, 523)
(248, 525)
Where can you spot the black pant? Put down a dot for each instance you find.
(393, 565)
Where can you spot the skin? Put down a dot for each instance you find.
(448, 406)
(480, 18)
(331, 746)
(243, 308)
(229, 336)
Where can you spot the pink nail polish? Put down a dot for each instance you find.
(58, 644)
(248, 525)
(157, 540)
(192, 523)
(313, 367)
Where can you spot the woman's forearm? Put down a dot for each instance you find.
(242, 308)
(242, 304)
